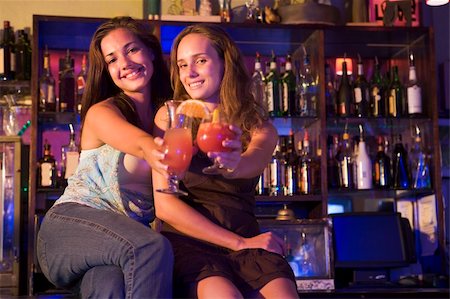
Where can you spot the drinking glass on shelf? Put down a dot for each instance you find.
(177, 146)
(213, 130)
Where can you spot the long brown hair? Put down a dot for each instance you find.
(236, 100)
(99, 84)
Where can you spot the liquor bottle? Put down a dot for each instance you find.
(420, 170)
(308, 90)
(278, 169)
(7, 57)
(291, 165)
(66, 84)
(361, 92)
(81, 83)
(330, 92)
(288, 89)
(47, 173)
(400, 170)
(382, 175)
(397, 101)
(345, 162)
(69, 155)
(413, 90)
(47, 100)
(377, 93)
(332, 163)
(363, 164)
(273, 89)
(344, 95)
(263, 186)
(306, 167)
(23, 56)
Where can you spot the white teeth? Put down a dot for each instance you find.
(130, 75)
(193, 85)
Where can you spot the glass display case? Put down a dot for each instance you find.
(13, 198)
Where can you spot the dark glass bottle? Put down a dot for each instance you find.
(307, 168)
(23, 56)
(7, 60)
(258, 87)
(400, 170)
(377, 93)
(344, 95)
(288, 89)
(382, 176)
(330, 92)
(278, 168)
(81, 83)
(47, 172)
(273, 89)
(397, 99)
(345, 163)
(291, 165)
(67, 85)
(47, 99)
(332, 163)
(361, 92)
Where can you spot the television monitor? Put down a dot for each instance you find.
(372, 240)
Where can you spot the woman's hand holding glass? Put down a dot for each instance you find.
(221, 141)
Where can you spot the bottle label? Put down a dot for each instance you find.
(2, 62)
(392, 103)
(414, 99)
(270, 97)
(13, 62)
(46, 174)
(358, 94)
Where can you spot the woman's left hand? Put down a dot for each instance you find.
(229, 161)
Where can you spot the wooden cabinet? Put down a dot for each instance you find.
(324, 43)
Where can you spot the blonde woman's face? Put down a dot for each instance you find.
(200, 68)
(129, 61)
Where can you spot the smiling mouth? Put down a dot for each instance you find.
(134, 74)
(196, 84)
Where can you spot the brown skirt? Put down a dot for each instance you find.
(248, 269)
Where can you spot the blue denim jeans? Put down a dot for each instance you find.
(75, 240)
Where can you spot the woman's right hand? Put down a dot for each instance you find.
(157, 157)
(268, 241)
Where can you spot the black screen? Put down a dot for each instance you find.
(370, 240)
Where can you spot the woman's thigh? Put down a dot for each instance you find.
(74, 238)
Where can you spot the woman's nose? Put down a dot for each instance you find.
(192, 71)
(124, 62)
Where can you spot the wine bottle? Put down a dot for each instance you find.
(413, 90)
(332, 163)
(400, 170)
(377, 93)
(361, 91)
(382, 166)
(263, 186)
(278, 169)
(420, 170)
(308, 90)
(363, 164)
(344, 95)
(288, 89)
(70, 155)
(7, 54)
(330, 92)
(23, 56)
(397, 101)
(307, 168)
(67, 85)
(273, 88)
(47, 100)
(345, 163)
(291, 165)
(47, 172)
(81, 83)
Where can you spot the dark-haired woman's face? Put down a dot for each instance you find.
(129, 61)
(200, 67)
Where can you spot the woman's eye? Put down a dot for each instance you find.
(201, 61)
(181, 66)
(133, 50)
(112, 60)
